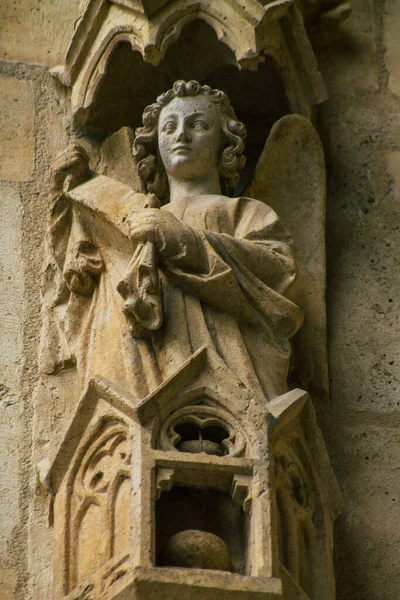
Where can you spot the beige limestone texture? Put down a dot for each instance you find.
(32, 31)
(370, 459)
(361, 131)
(22, 229)
(11, 357)
(361, 134)
(8, 582)
(391, 21)
(353, 63)
(393, 168)
(12, 279)
(17, 123)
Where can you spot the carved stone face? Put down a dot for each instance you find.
(190, 137)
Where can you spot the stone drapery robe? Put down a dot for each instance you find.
(232, 285)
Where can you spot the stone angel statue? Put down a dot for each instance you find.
(140, 277)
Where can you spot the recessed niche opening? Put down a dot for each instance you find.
(195, 439)
(203, 529)
(130, 84)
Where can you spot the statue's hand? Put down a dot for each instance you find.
(159, 227)
(69, 169)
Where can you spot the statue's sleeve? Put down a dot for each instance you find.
(72, 263)
(250, 274)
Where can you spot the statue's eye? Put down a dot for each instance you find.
(199, 126)
(169, 127)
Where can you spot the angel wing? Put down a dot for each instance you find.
(290, 178)
(117, 160)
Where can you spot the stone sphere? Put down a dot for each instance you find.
(194, 549)
(199, 446)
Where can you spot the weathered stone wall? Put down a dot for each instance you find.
(34, 36)
(26, 142)
(361, 131)
(360, 126)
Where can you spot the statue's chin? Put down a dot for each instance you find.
(184, 166)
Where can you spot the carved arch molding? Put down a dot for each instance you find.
(250, 34)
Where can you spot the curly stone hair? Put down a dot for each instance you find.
(145, 146)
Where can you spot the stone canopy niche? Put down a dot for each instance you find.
(136, 516)
(193, 465)
(258, 96)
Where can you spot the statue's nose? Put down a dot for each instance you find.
(183, 133)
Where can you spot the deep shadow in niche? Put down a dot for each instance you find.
(194, 439)
(130, 84)
(213, 511)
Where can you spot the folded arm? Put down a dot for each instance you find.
(250, 274)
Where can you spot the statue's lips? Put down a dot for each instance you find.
(181, 148)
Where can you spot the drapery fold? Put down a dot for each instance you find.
(231, 283)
